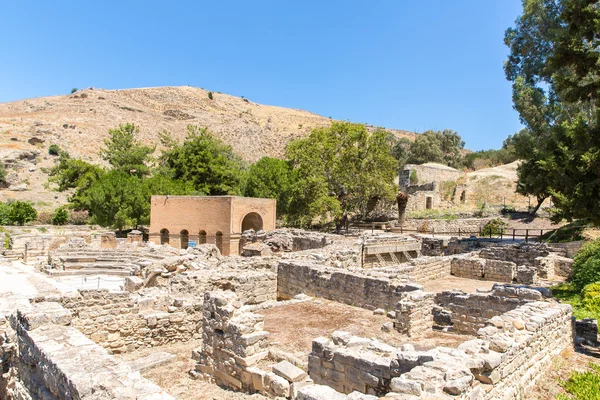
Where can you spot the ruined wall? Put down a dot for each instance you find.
(508, 356)
(234, 342)
(346, 287)
(414, 313)
(464, 225)
(470, 312)
(418, 270)
(489, 270)
(53, 361)
(121, 322)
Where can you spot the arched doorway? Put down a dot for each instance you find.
(252, 221)
(202, 237)
(184, 238)
(219, 241)
(164, 236)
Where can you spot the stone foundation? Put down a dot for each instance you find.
(414, 313)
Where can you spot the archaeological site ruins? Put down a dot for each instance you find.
(296, 315)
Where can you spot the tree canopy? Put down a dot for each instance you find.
(271, 178)
(554, 66)
(207, 163)
(340, 169)
(125, 153)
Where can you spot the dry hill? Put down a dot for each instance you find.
(79, 122)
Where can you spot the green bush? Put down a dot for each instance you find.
(210, 95)
(54, 150)
(586, 267)
(73, 90)
(3, 173)
(414, 178)
(494, 227)
(60, 217)
(583, 385)
(591, 297)
(20, 212)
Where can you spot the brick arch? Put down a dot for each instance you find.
(252, 220)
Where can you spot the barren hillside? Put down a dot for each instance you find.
(79, 122)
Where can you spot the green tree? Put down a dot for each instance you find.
(60, 217)
(271, 178)
(206, 162)
(117, 200)
(73, 173)
(553, 65)
(125, 153)
(401, 151)
(442, 147)
(21, 212)
(340, 170)
(164, 185)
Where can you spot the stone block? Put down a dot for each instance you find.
(289, 371)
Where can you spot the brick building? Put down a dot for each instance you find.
(179, 220)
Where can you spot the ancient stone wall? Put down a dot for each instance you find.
(414, 313)
(418, 270)
(479, 268)
(470, 312)
(465, 226)
(346, 287)
(234, 343)
(121, 322)
(53, 361)
(509, 355)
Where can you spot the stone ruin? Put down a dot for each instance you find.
(62, 344)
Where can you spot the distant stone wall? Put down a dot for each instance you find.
(442, 226)
(489, 270)
(418, 270)
(346, 287)
(470, 312)
(567, 249)
(53, 361)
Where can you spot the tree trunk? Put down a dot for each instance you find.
(539, 204)
(402, 200)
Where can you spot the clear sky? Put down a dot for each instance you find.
(402, 64)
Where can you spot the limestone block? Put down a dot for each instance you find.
(289, 371)
(133, 283)
(320, 392)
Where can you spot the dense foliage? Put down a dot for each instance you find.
(207, 163)
(586, 267)
(61, 216)
(17, 213)
(271, 178)
(340, 170)
(583, 385)
(553, 64)
(125, 153)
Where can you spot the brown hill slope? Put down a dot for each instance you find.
(79, 122)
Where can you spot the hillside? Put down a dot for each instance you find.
(79, 122)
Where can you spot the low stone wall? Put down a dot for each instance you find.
(121, 322)
(489, 270)
(52, 361)
(414, 313)
(568, 249)
(419, 270)
(465, 225)
(470, 312)
(508, 356)
(346, 287)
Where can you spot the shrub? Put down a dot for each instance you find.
(591, 297)
(210, 95)
(3, 173)
(60, 217)
(20, 212)
(73, 90)
(586, 267)
(414, 178)
(44, 218)
(78, 217)
(54, 150)
(583, 385)
(494, 227)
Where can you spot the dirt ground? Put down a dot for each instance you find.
(293, 327)
(174, 376)
(454, 282)
(548, 387)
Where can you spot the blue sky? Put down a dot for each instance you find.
(402, 64)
